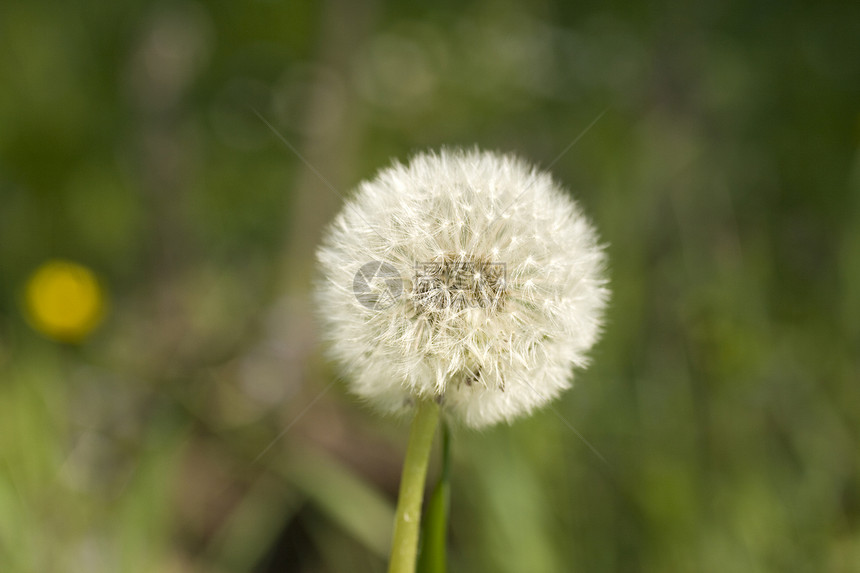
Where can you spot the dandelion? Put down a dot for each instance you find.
(64, 300)
(489, 287)
(466, 282)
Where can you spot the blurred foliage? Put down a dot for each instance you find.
(197, 428)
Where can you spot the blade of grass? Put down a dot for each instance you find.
(433, 556)
(252, 527)
(357, 506)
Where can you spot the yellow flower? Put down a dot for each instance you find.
(64, 300)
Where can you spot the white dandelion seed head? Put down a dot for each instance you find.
(466, 276)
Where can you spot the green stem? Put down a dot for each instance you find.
(407, 521)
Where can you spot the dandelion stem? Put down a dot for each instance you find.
(407, 521)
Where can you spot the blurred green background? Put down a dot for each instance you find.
(724, 398)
